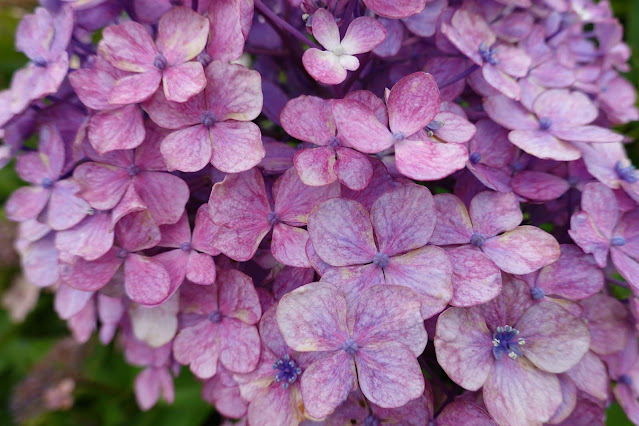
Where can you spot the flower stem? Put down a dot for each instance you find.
(459, 76)
(279, 22)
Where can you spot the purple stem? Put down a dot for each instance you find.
(348, 16)
(278, 21)
(617, 282)
(195, 5)
(459, 76)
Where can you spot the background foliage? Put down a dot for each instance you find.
(36, 353)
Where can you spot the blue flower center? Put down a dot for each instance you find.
(215, 317)
(334, 142)
(399, 136)
(381, 260)
(545, 123)
(371, 420)
(40, 62)
(433, 126)
(537, 293)
(185, 246)
(133, 170)
(477, 239)
(617, 241)
(272, 218)
(505, 340)
(625, 379)
(46, 183)
(350, 346)
(287, 371)
(160, 62)
(207, 118)
(488, 54)
(628, 174)
(121, 254)
(475, 157)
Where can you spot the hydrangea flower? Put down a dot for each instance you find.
(330, 66)
(508, 349)
(381, 333)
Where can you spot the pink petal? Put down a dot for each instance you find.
(385, 314)
(240, 207)
(197, 347)
(584, 232)
(353, 279)
(541, 325)
(501, 81)
(565, 108)
(175, 234)
(102, 185)
(494, 212)
(428, 271)
(590, 376)
(627, 267)
(389, 375)
(233, 92)
(363, 35)
(163, 194)
(324, 66)
(522, 250)
(182, 35)
(26, 203)
(135, 88)
(460, 412)
(238, 298)
(463, 345)
(456, 129)
(157, 325)
(309, 118)
(395, 9)
(359, 127)
(592, 134)
(372, 102)
(294, 200)
(90, 276)
(120, 128)
(229, 28)
(509, 113)
(315, 166)
(413, 103)
(200, 268)
(145, 280)
(427, 160)
(288, 245)
(539, 186)
(403, 219)
(147, 388)
(137, 231)
(476, 279)
(203, 231)
(453, 222)
(65, 208)
(187, 150)
(327, 382)
(130, 203)
(182, 82)
(280, 406)
(353, 168)
(89, 239)
(40, 262)
(237, 146)
(313, 318)
(239, 346)
(607, 321)
(128, 46)
(342, 233)
(69, 301)
(516, 389)
(175, 115)
(325, 29)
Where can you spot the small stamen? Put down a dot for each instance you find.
(371, 420)
(334, 142)
(628, 174)
(133, 170)
(160, 62)
(40, 62)
(617, 241)
(477, 239)
(505, 340)
(545, 123)
(381, 259)
(207, 119)
(399, 136)
(625, 379)
(537, 293)
(287, 371)
(46, 183)
(272, 217)
(121, 254)
(185, 246)
(350, 346)
(475, 157)
(215, 317)
(488, 53)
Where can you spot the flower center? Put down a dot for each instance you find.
(433, 126)
(207, 119)
(204, 58)
(617, 241)
(185, 246)
(545, 123)
(350, 346)
(371, 420)
(334, 142)
(272, 217)
(121, 254)
(537, 293)
(488, 53)
(399, 136)
(133, 170)
(475, 157)
(505, 340)
(628, 174)
(215, 317)
(46, 183)
(625, 379)
(477, 239)
(287, 371)
(160, 62)
(380, 259)
(40, 62)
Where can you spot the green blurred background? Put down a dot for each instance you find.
(36, 356)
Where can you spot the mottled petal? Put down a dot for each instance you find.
(182, 34)
(237, 146)
(453, 222)
(121, 128)
(360, 128)
(315, 166)
(239, 345)
(325, 29)
(135, 88)
(363, 35)
(183, 81)
(145, 280)
(198, 347)
(288, 245)
(494, 212)
(590, 376)
(128, 46)
(476, 279)
(26, 203)
(233, 92)
(187, 150)
(327, 382)
(413, 103)
(429, 160)
(353, 168)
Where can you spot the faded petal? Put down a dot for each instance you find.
(413, 103)
(237, 146)
(476, 279)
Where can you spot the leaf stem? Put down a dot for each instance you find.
(276, 20)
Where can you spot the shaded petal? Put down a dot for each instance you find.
(183, 81)
(389, 375)
(65, 208)
(463, 346)
(386, 314)
(203, 231)
(539, 186)
(509, 113)
(69, 301)
(230, 24)
(403, 219)
(413, 103)
(238, 298)
(360, 128)
(627, 267)
(156, 325)
(121, 128)
(542, 326)
(26, 203)
(288, 245)
(163, 194)
(501, 81)
(353, 168)
(453, 224)
(495, 212)
(522, 250)
(542, 144)
(103, 185)
(89, 239)
(565, 108)
(135, 88)
(326, 383)
(145, 280)
(237, 146)
(517, 393)
(200, 268)
(315, 165)
(308, 118)
(90, 276)
(426, 270)
(324, 66)
(476, 279)
(363, 35)
(464, 412)
(607, 322)
(395, 9)
(584, 232)
(313, 318)
(175, 115)
(233, 92)
(342, 233)
(591, 134)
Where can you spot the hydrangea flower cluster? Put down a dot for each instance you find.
(338, 211)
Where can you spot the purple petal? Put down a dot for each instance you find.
(237, 146)
(26, 203)
(464, 412)
(90, 276)
(590, 376)
(288, 245)
(182, 35)
(395, 9)
(128, 46)
(65, 208)
(204, 231)
(102, 185)
(429, 160)
(413, 103)
(315, 166)
(135, 88)
(175, 115)
(509, 114)
(233, 92)
(197, 347)
(238, 298)
(539, 186)
(353, 168)
(542, 144)
(476, 279)
(182, 82)
(145, 280)
(163, 194)
(187, 150)
(607, 322)
(494, 212)
(120, 128)
(309, 119)
(453, 224)
(364, 133)
(565, 108)
(89, 239)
